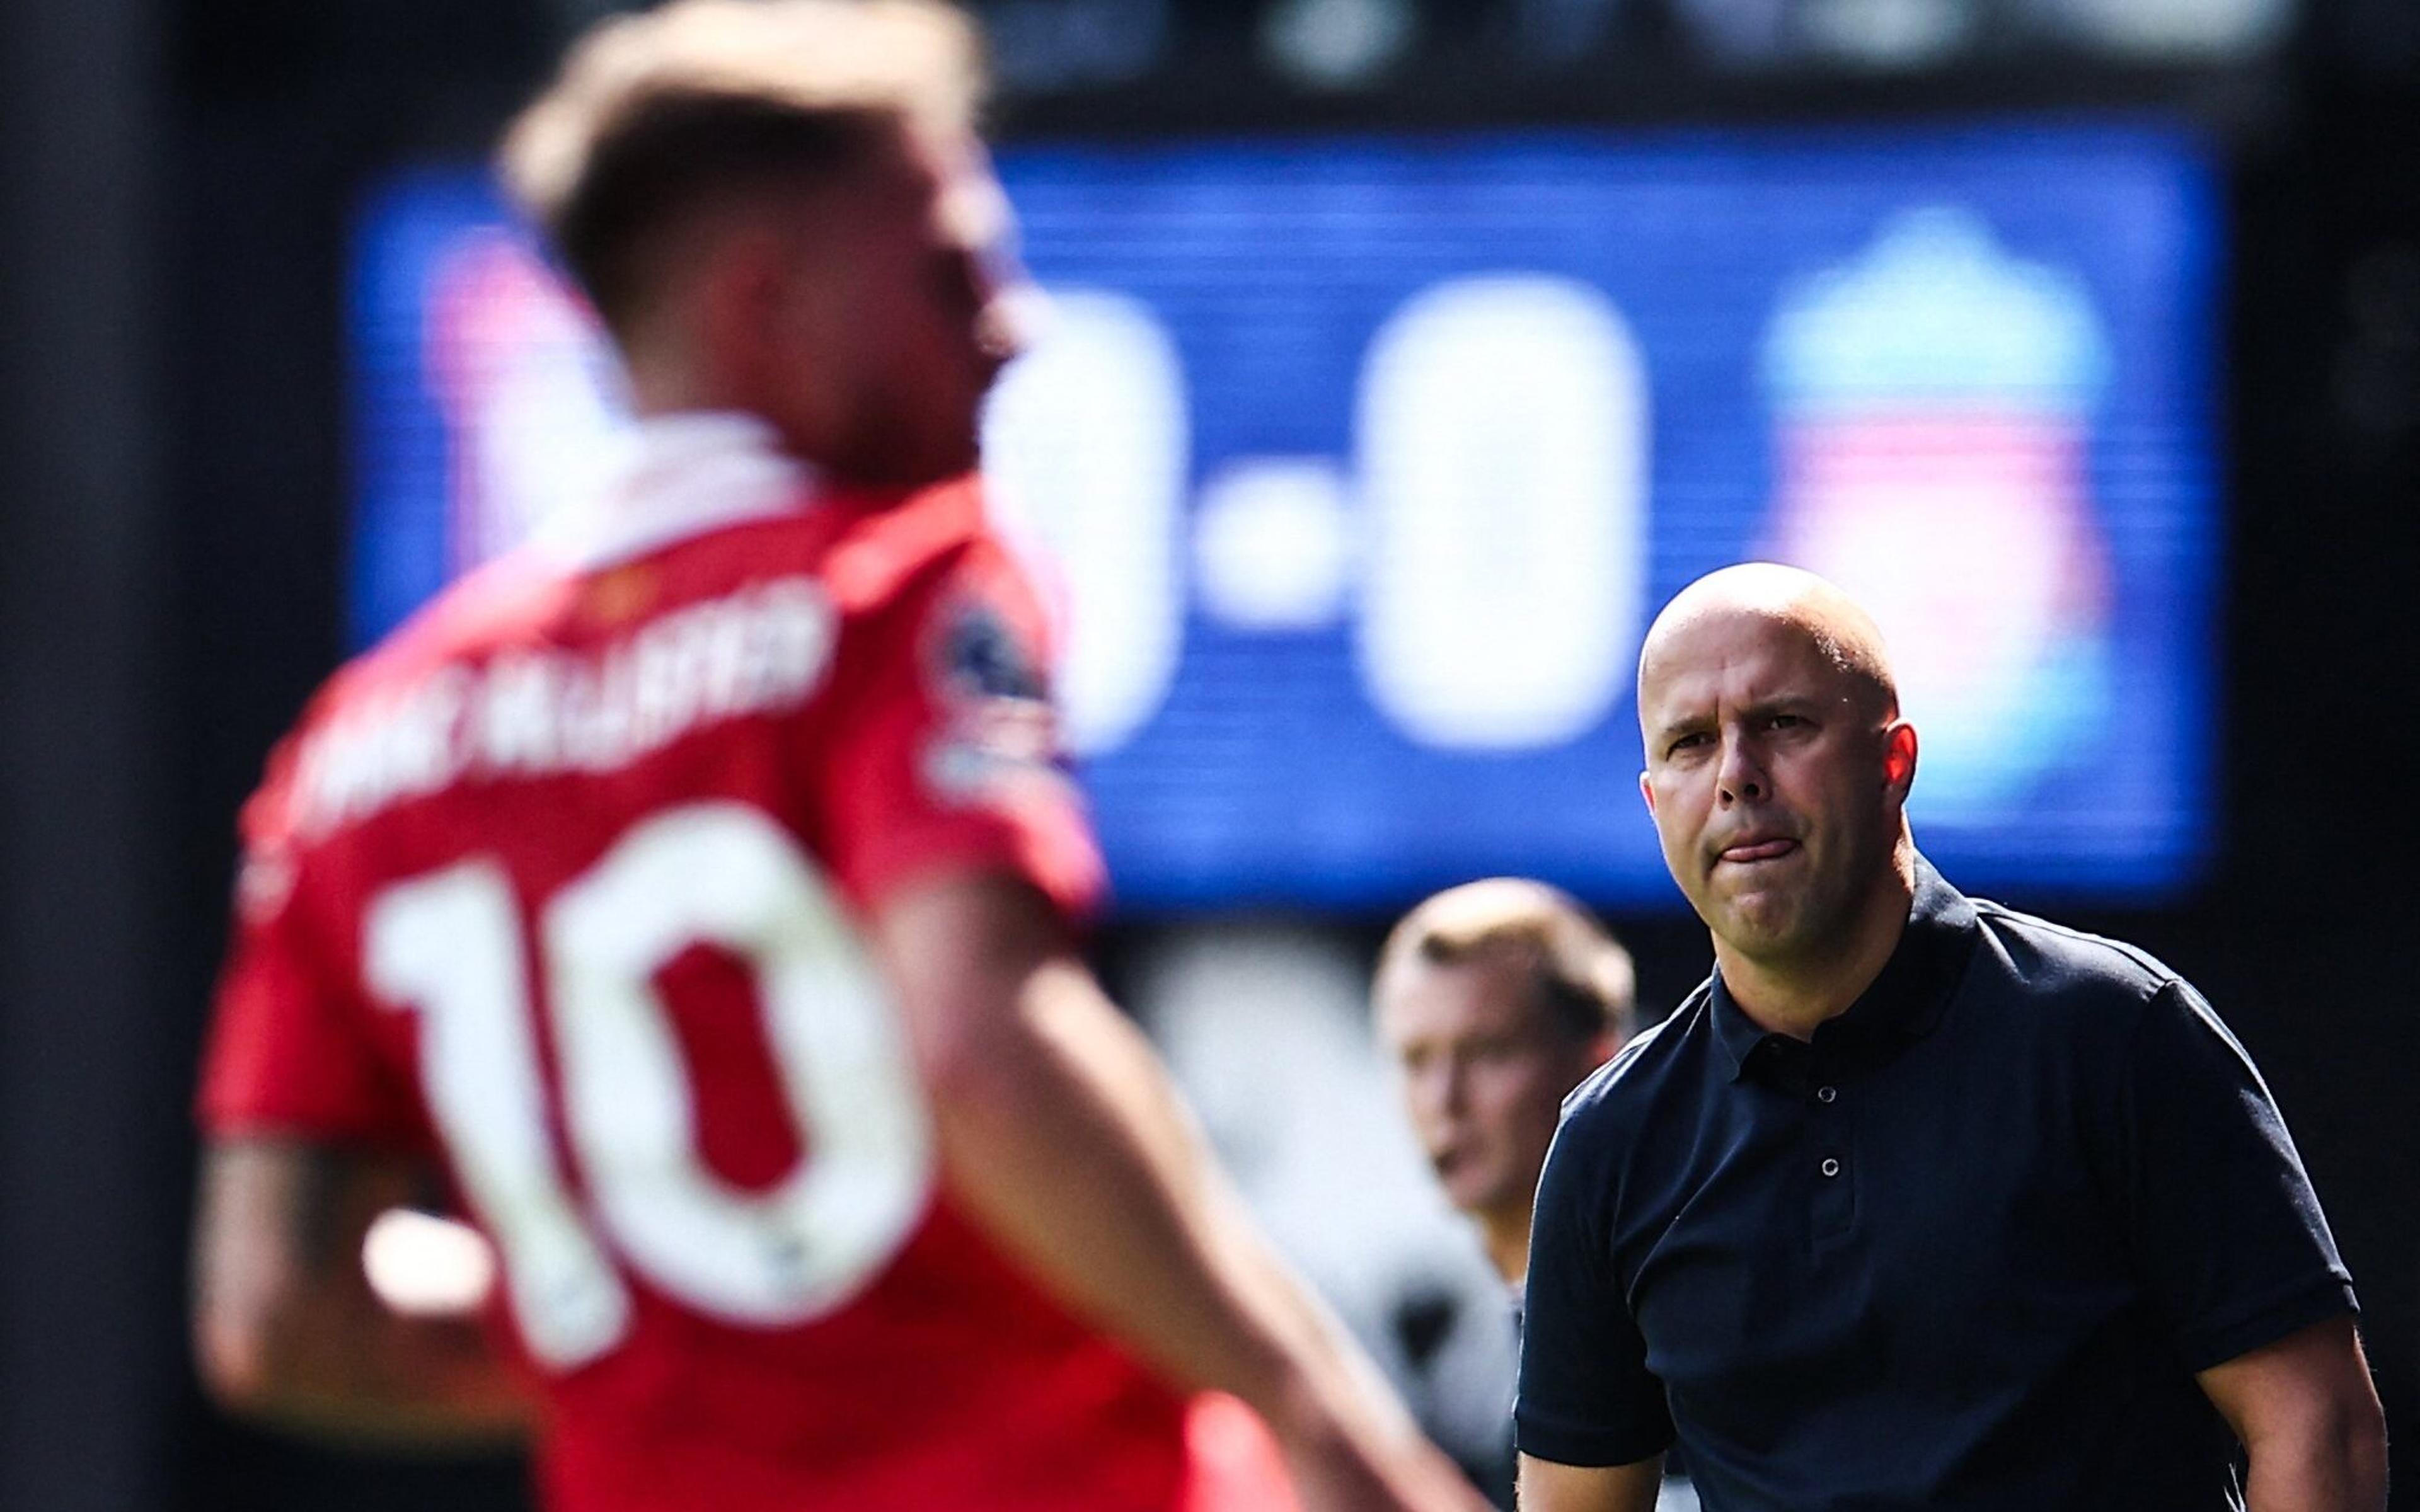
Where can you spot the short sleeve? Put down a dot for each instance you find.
(944, 752)
(2225, 1227)
(1586, 1395)
(288, 1052)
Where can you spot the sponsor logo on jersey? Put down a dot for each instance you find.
(982, 657)
(998, 738)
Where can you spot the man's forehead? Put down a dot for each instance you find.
(1735, 653)
(1484, 989)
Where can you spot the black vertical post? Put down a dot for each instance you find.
(84, 1367)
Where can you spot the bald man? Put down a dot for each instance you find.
(1918, 1202)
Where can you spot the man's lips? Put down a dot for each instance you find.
(1757, 850)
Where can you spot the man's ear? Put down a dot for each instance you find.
(1899, 756)
(1647, 792)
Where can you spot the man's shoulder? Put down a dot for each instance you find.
(473, 612)
(2060, 954)
(1652, 1061)
(2060, 973)
(525, 592)
(1625, 1129)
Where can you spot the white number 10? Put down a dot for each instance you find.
(722, 874)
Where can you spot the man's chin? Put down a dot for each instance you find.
(1474, 1196)
(1759, 926)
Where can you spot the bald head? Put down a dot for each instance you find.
(1777, 767)
(1791, 600)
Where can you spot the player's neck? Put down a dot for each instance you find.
(1794, 995)
(666, 378)
(1505, 1237)
(664, 385)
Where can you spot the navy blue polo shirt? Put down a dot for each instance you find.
(1966, 1248)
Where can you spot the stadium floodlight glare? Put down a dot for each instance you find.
(1041, 46)
(1738, 34)
(1891, 35)
(1338, 44)
(1553, 33)
(2175, 30)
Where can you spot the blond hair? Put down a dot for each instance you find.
(656, 116)
(1583, 977)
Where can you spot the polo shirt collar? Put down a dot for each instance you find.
(1903, 1003)
(684, 474)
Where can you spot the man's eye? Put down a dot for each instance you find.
(1785, 721)
(1689, 742)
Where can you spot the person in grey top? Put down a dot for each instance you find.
(1494, 999)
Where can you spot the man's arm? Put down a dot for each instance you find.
(2309, 1420)
(1060, 1132)
(286, 1328)
(1547, 1487)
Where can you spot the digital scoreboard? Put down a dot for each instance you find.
(1355, 468)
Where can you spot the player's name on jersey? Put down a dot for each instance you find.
(528, 713)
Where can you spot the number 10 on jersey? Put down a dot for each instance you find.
(448, 944)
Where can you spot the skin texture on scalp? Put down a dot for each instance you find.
(1777, 772)
(1842, 631)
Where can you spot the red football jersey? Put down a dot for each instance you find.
(563, 884)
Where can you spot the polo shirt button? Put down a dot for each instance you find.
(1830, 1166)
(1825, 1094)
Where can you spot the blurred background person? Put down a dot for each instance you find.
(1493, 1000)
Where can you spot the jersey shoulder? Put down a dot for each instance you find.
(866, 547)
(929, 582)
(887, 548)
(529, 666)
(517, 588)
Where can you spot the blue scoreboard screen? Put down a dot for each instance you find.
(1355, 468)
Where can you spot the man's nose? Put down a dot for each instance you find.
(1741, 778)
(1439, 1088)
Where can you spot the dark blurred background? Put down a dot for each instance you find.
(182, 185)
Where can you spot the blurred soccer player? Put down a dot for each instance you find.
(692, 889)
(1497, 998)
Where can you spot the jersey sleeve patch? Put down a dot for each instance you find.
(995, 741)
